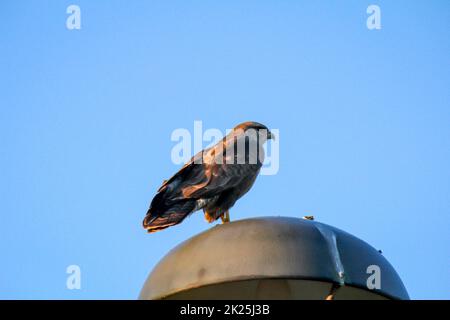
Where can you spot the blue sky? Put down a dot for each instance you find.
(86, 117)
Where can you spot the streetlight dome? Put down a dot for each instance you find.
(274, 258)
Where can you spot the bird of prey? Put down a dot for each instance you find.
(213, 180)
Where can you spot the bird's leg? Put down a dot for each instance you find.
(225, 217)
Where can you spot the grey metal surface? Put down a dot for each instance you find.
(281, 248)
(274, 289)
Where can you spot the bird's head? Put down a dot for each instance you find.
(259, 128)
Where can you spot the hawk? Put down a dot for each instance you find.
(213, 180)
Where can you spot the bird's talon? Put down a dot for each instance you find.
(225, 217)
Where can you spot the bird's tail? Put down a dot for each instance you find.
(163, 214)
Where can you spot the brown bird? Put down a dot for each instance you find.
(213, 180)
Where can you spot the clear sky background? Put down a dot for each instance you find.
(86, 118)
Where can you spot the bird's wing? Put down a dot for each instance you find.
(207, 174)
(192, 173)
(169, 206)
(218, 173)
